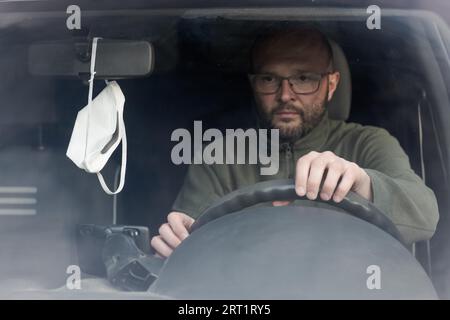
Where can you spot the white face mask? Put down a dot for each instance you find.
(98, 130)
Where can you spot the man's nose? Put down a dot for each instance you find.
(286, 93)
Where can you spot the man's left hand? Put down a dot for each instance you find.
(339, 176)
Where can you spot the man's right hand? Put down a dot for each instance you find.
(172, 233)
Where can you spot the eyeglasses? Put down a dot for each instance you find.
(304, 83)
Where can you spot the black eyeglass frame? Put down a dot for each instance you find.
(252, 77)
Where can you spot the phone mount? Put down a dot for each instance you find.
(119, 253)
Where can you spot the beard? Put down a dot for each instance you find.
(308, 117)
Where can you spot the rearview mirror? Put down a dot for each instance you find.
(115, 59)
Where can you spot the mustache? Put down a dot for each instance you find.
(287, 108)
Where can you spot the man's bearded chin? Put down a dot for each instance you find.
(309, 117)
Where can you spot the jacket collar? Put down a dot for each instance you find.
(315, 139)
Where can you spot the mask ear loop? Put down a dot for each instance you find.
(123, 166)
(91, 89)
(121, 126)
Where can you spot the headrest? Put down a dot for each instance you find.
(339, 106)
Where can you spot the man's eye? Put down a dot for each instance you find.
(304, 78)
(267, 79)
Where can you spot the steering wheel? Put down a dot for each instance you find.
(275, 190)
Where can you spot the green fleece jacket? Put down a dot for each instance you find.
(397, 190)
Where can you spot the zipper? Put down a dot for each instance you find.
(287, 147)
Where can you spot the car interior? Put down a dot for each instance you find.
(394, 78)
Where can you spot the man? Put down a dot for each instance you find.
(293, 79)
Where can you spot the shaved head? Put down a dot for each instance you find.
(305, 43)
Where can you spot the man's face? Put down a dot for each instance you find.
(292, 113)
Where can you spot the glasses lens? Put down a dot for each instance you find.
(266, 83)
(305, 83)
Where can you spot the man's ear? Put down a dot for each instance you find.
(333, 81)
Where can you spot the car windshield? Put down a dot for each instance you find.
(183, 71)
